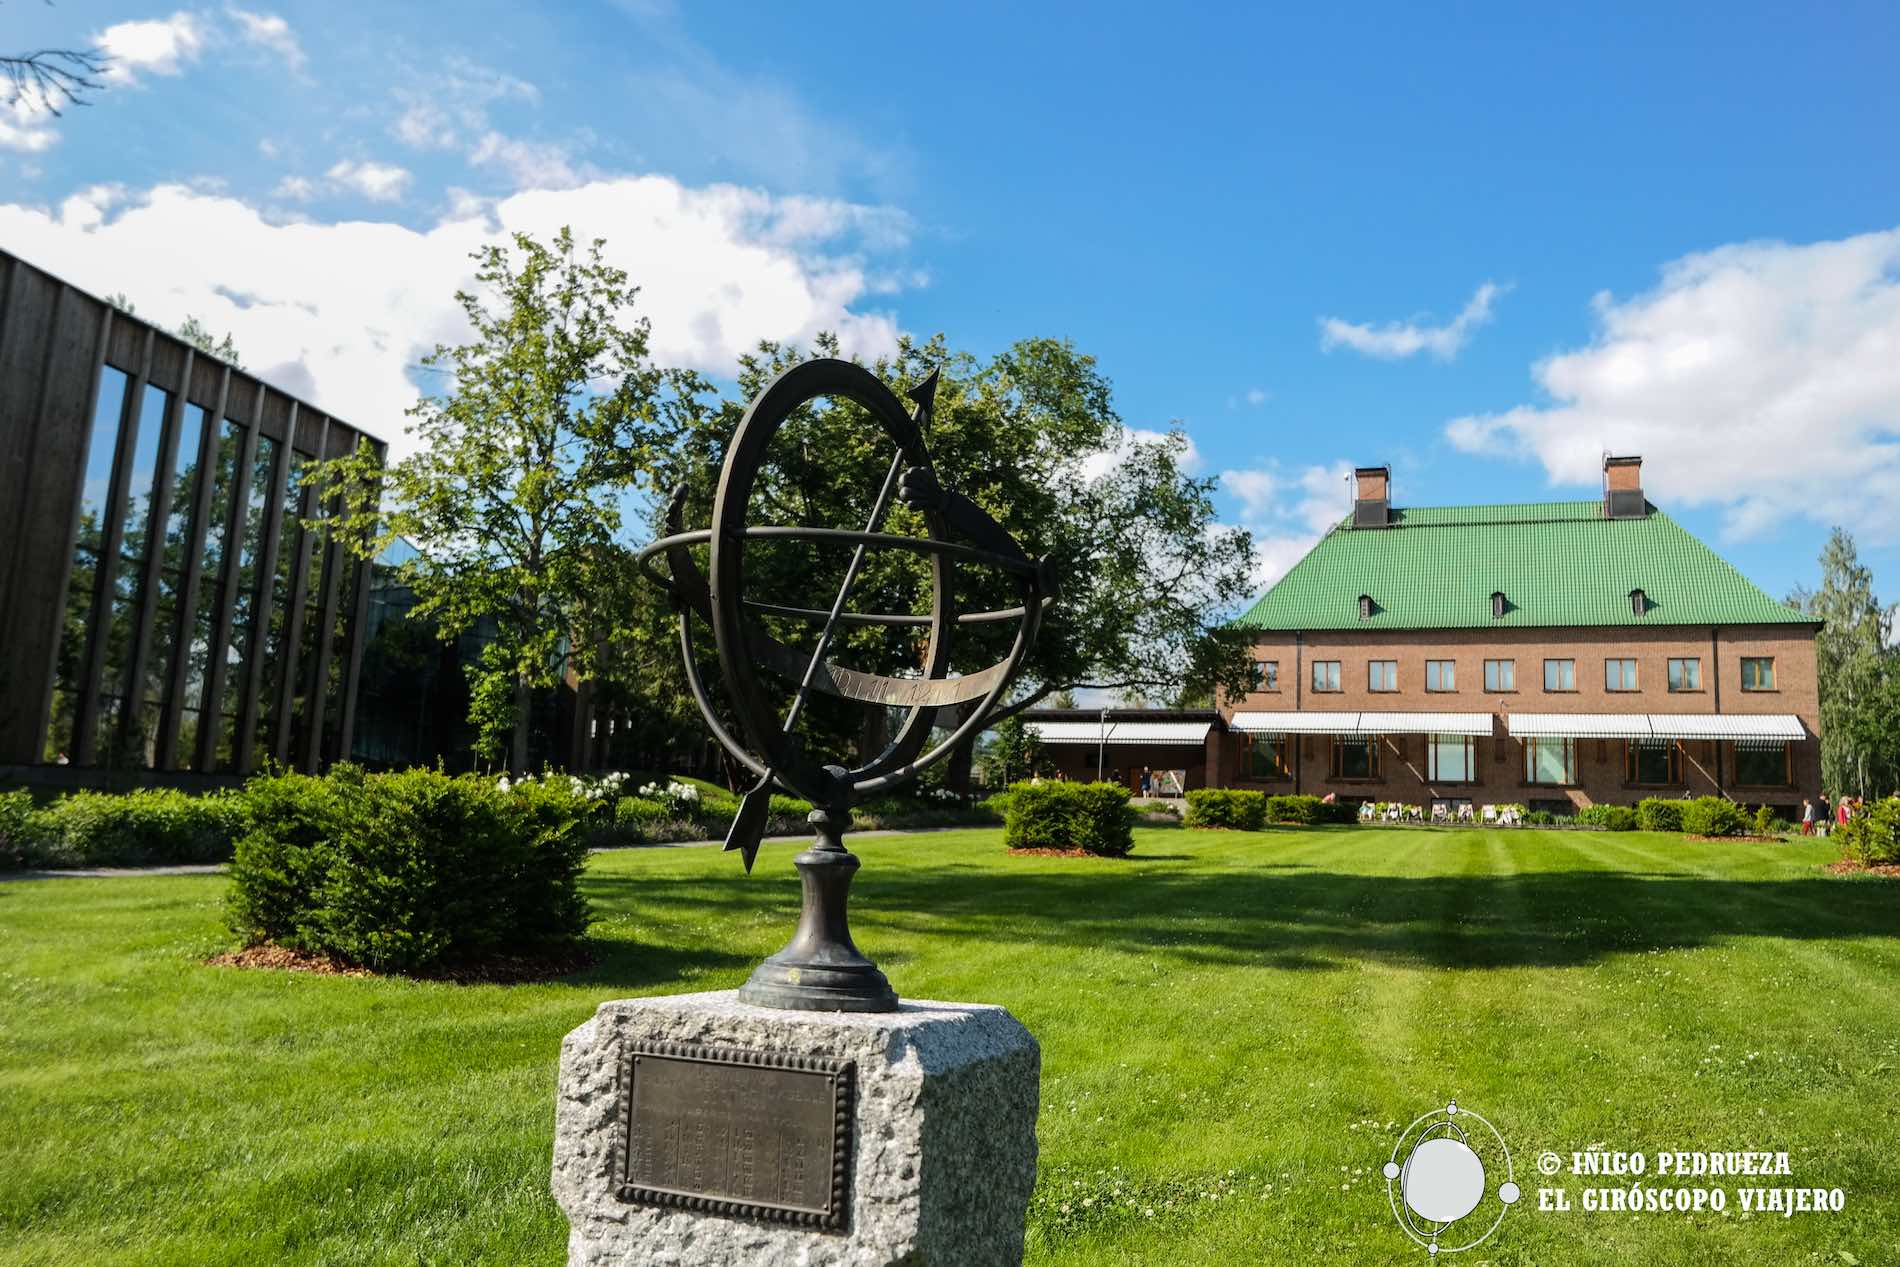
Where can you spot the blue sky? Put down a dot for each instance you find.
(1482, 247)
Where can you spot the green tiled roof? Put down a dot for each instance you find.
(1557, 563)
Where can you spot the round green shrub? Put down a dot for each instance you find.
(1714, 816)
(1653, 813)
(1767, 822)
(1095, 817)
(1226, 807)
(406, 871)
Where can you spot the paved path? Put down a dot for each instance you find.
(213, 868)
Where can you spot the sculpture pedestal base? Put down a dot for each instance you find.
(673, 1145)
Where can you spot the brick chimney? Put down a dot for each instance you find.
(1623, 488)
(1372, 496)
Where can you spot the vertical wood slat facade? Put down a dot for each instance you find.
(57, 343)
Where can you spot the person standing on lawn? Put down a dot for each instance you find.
(1807, 817)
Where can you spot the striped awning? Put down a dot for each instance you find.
(1185, 733)
(1769, 727)
(1304, 723)
(1772, 727)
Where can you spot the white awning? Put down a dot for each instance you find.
(1769, 726)
(1068, 731)
(1303, 723)
(1425, 723)
(1292, 723)
(1579, 726)
(1187, 733)
(1162, 732)
(1759, 726)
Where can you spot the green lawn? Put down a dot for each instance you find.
(1228, 1021)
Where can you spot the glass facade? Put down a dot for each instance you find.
(184, 634)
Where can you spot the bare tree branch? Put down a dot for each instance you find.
(53, 77)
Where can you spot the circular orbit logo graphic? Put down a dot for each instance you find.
(1437, 1177)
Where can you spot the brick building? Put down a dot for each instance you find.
(1558, 654)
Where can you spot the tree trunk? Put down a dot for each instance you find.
(518, 748)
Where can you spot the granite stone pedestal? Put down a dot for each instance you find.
(695, 1129)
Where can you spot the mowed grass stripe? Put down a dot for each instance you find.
(1221, 1012)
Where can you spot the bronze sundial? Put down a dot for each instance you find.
(820, 969)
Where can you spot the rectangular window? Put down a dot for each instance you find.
(119, 740)
(1560, 675)
(1685, 675)
(244, 612)
(1325, 675)
(1441, 675)
(1761, 764)
(1266, 675)
(1655, 762)
(1500, 675)
(1550, 761)
(171, 574)
(1619, 675)
(1758, 673)
(1452, 758)
(1355, 757)
(194, 708)
(101, 448)
(1382, 675)
(1266, 757)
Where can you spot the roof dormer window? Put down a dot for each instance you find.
(1497, 604)
(1365, 607)
(1639, 602)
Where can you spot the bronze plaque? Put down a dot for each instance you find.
(752, 1134)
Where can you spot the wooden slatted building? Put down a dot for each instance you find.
(163, 609)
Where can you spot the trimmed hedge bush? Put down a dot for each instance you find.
(1714, 816)
(1873, 835)
(1608, 817)
(1226, 807)
(1767, 822)
(1309, 810)
(406, 871)
(151, 825)
(1091, 816)
(1653, 813)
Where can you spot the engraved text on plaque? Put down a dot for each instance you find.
(756, 1134)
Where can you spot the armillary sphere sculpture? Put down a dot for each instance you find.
(820, 969)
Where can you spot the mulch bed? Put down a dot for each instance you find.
(495, 970)
(1765, 840)
(1847, 866)
(1058, 853)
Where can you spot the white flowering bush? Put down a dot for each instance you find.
(680, 799)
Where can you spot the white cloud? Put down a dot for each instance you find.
(379, 182)
(1396, 340)
(157, 46)
(529, 164)
(1760, 377)
(1098, 464)
(1256, 396)
(26, 126)
(1288, 512)
(449, 107)
(296, 188)
(269, 31)
(345, 309)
